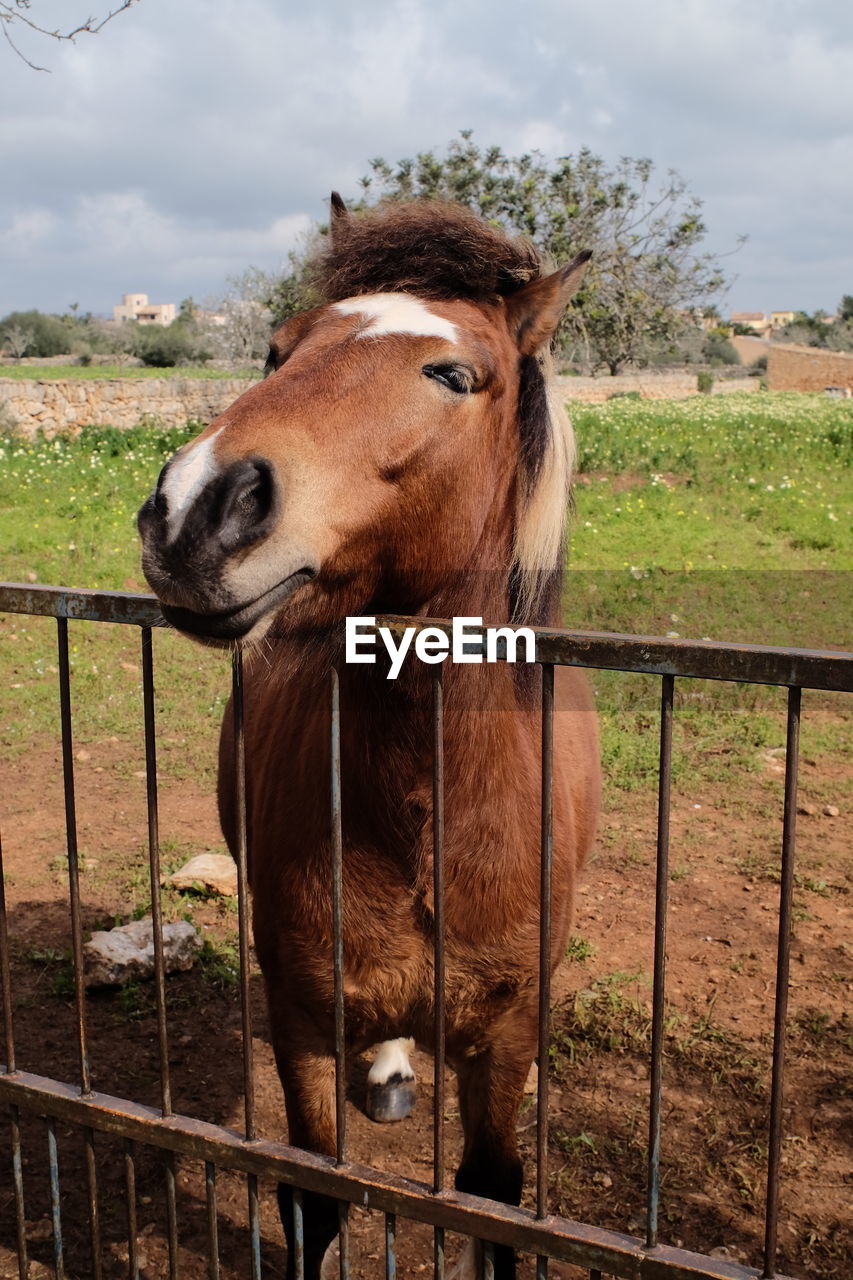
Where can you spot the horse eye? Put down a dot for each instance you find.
(449, 375)
(270, 365)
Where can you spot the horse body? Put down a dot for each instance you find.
(402, 457)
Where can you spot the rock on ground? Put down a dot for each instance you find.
(114, 957)
(209, 872)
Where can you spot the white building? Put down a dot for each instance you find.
(136, 307)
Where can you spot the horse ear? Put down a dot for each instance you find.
(535, 311)
(339, 212)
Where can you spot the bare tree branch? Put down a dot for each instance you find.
(17, 12)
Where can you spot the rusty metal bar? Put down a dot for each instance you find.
(212, 1223)
(171, 1215)
(6, 971)
(574, 1242)
(656, 655)
(94, 1212)
(390, 1246)
(18, 1181)
(254, 1225)
(71, 839)
(89, 606)
(132, 1225)
(439, 996)
(154, 865)
(439, 1260)
(337, 853)
(659, 991)
(665, 655)
(243, 889)
(546, 858)
(298, 1235)
(55, 1208)
(336, 846)
(783, 966)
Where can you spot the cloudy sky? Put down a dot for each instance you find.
(192, 138)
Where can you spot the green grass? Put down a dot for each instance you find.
(723, 517)
(61, 372)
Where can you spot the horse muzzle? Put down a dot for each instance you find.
(202, 552)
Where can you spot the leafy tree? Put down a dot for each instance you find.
(845, 309)
(49, 336)
(645, 233)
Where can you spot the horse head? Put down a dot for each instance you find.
(402, 433)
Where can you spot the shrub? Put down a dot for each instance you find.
(718, 350)
(704, 382)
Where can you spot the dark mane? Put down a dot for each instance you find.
(427, 247)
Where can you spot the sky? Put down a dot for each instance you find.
(191, 139)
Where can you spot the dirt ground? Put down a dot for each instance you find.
(722, 939)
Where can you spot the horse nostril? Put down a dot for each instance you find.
(248, 500)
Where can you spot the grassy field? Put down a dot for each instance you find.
(60, 372)
(729, 518)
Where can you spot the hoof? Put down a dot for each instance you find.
(394, 1100)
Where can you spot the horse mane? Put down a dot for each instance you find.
(437, 250)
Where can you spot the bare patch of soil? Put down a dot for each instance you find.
(721, 946)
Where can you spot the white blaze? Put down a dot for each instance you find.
(397, 313)
(186, 478)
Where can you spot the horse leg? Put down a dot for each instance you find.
(308, 1080)
(491, 1086)
(391, 1093)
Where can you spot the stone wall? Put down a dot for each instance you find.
(651, 386)
(794, 368)
(30, 404)
(59, 405)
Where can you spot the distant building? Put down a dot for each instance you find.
(136, 307)
(781, 319)
(757, 321)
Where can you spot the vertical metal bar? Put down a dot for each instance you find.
(546, 848)
(254, 1225)
(489, 1253)
(212, 1224)
(18, 1179)
(298, 1236)
(71, 838)
(6, 973)
(94, 1212)
(343, 1239)
(439, 1259)
(154, 865)
(171, 1215)
(439, 943)
(243, 889)
(661, 902)
(55, 1211)
(541, 1267)
(390, 1246)
(132, 1228)
(337, 916)
(783, 964)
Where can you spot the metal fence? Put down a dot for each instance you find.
(537, 1233)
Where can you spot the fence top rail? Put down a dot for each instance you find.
(652, 655)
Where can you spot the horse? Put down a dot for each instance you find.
(405, 453)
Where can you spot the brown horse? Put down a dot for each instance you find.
(404, 454)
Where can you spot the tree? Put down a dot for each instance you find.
(845, 309)
(16, 14)
(244, 333)
(645, 233)
(17, 340)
